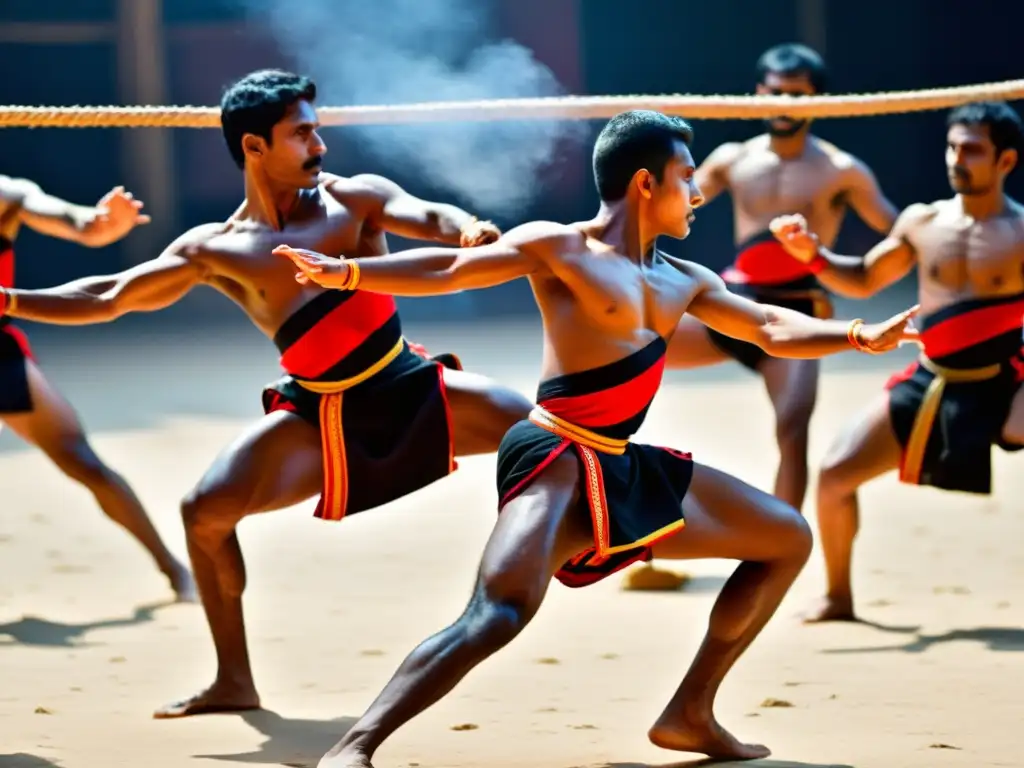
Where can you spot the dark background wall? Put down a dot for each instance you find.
(69, 52)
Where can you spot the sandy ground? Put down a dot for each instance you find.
(89, 646)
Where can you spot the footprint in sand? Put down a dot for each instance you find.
(43, 711)
(70, 569)
(775, 703)
(942, 746)
(548, 660)
(371, 652)
(609, 656)
(465, 727)
(951, 590)
(584, 727)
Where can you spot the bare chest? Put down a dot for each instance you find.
(245, 269)
(963, 258)
(613, 295)
(763, 186)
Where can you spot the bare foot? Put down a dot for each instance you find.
(703, 736)
(830, 609)
(184, 585)
(349, 757)
(215, 699)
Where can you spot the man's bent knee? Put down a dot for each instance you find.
(835, 475)
(209, 517)
(799, 540)
(793, 427)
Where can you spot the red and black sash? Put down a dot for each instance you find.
(6, 271)
(761, 260)
(611, 400)
(971, 341)
(339, 335)
(975, 332)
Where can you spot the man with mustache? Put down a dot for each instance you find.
(785, 170)
(360, 417)
(936, 421)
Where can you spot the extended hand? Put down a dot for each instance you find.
(478, 233)
(314, 267)
(794, 235)
(117, 213)
(887, 335)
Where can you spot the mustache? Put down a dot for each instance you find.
(313, 162)
(961, 173)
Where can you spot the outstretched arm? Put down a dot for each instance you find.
(435, 271)
(146, 287)
(785, 333)
(858, 278)
(712, 177)
(113, 217)
(867, 199)
(392, 209)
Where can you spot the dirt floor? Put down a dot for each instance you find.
(89, 646)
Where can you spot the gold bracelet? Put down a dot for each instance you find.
(352, 278)
(854, 337)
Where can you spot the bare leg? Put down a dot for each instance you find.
(533, 536)
(1013, 429)
(482, 411)
(274, 464)
(54, 427)
(691, 347)
(865, 449)
(793, 389)
(726, 518)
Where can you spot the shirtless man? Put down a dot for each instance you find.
(359, 417)
(937, 421)
(571, 504)
(785, 170)
(29, 404)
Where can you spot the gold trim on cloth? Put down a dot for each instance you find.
(587, 442)
(332, 435)
(924, 421)
(580, 435)
(334, 387)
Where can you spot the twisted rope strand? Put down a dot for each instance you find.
(719, 107)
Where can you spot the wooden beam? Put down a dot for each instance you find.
(89, 33)
(812, 20)
(147, 156)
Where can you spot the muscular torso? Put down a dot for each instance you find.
(961, 258)
(240, 263)
(599, 306)
(764, 185)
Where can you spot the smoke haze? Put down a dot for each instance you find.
(363, 52)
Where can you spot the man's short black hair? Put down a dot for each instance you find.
(632, 141)
(1003, 122)
(258, 102)
(790, 60)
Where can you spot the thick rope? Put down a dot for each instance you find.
(554, 108)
